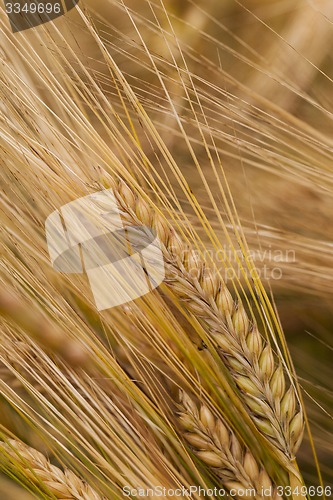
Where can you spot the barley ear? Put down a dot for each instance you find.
(62, 484)
(216, 445)
(249, 357)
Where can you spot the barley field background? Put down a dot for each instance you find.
(211, 122)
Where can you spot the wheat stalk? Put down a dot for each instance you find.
(249, 357)
(64, 485)
(218, 447)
